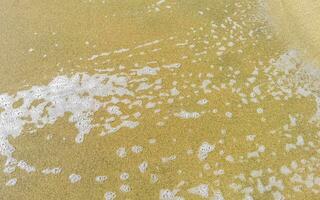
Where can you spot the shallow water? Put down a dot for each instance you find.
(154, 100)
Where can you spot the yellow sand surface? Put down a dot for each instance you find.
(159, 99)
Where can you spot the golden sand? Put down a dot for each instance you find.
(170, 100)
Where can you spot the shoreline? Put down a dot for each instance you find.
(298, 24)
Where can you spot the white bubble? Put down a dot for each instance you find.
(11, 182)
(229, 114)
(124, 176)
(121, 152)
(101, 179)
(201, 190)
(204, 150)
(125, 188)
(259, 110)
(143, 166)
(73, 178)
(110, 196)
(55, 170)
(136, 149)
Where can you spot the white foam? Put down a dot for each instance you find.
(204, 150)
(160, 2)
(55, 170)
(124, 176)
(168, 159)
(259, 110)
(173, 65)
(115, 110)
(300, 140)
(202, 101)
(93, 57)
(121, 50)
(147, 71)
(73, 178)
(11, 182)
(250, 137)
(110, 196)
(278, 196)
(201, 190)
(121, 152)
(143, 167)
(229, 158)
(187, 115)
(125, 188)
(302, 77)
(166, 194)
(75, 95)
(148, 44)
(136, 149)
(217, 196)
(25, 166)
(285, 170)
(256, 173)
(229, 114)
(101, 179)
(154, 178)
(174, 92)
(288, 61)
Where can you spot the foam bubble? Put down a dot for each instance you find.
(125, 188)
(204, 150)
(121, 152)
(136, 149)
(201, 190)
(73, 178)
(110, 196)
(101, 179)
(143, 167)
(11, 182)
(55, 170)
(187, 115)
(124, 176)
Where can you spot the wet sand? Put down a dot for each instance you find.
(157, 100)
